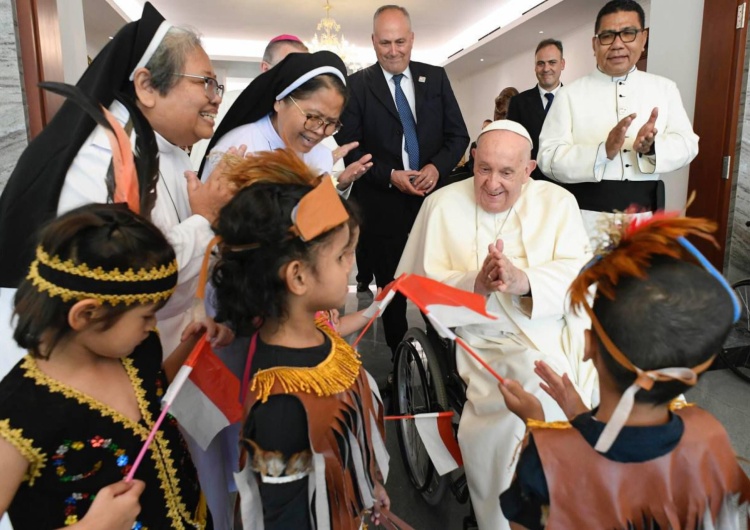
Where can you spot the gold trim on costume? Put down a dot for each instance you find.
(536, 424)
(160, 452)
(37, 459)
(334, 375)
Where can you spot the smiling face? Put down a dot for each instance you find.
(392, 39)
(549, 66)
(186, 114)
(289, 121)
(618, 58)
(502, 166)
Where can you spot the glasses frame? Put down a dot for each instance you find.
(319, 121)
(207, 81)
(616, 34)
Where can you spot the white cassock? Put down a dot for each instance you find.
(544, 236)
(187, 233)
(571, 144)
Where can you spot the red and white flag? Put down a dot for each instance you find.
(436, 431)
(446, 306)
(204, 395)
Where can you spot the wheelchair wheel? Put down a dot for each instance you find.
(418, 388)
(742, 290)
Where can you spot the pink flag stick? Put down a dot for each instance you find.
(147, 444)
(425, 415)
(174, 388)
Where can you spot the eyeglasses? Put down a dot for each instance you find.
(211, 85)
(314, 123)
(627, 35)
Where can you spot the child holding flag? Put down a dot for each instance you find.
(313, 433)
(76, 410)
(660, 315)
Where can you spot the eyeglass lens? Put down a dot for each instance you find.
(626, 35)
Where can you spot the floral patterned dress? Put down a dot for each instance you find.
(76, 445)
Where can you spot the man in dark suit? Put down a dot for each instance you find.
(529, 108)
(404, 113)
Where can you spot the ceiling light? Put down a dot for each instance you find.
(330, 38)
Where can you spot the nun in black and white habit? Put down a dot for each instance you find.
(296, 104)
(66, 167)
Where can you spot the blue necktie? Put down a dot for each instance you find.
(549, 96)
(408, 123)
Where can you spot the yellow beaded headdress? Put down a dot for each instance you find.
(77, 281)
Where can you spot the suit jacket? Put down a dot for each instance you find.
(371, 118)
(527, 109)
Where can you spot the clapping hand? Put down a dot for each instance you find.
(560, 389)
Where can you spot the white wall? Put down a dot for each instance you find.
(476, 94)
(73, 37)
(674, 50)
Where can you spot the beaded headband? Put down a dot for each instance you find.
(637, 242)
(71, 281)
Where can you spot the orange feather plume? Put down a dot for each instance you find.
(636, 243)
(123, 162)
(282, 166)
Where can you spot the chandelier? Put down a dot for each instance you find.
(329, 37)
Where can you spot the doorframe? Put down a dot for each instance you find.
(41, 59)
(716, 119)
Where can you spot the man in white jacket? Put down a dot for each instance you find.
(519, 242)
(610, 134)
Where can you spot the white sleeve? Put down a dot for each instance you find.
(562, 156)
(677, 145)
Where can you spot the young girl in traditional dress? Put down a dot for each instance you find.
(76, 410)
(313, 434)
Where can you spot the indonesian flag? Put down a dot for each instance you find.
(204, 396)
(446, 306)
(383, 298)
(436, 431)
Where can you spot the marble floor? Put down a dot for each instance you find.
(721, 392)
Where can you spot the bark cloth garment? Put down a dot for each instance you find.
(76, 445)
(345, 431)
(691, 487)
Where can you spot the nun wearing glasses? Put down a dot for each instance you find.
(294, 105)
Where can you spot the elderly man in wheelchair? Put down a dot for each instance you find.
(520, 243)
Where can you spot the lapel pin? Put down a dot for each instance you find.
(422, 79)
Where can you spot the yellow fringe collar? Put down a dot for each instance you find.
(334, 375)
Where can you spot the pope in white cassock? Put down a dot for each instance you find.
(520, 243)
(609, 136)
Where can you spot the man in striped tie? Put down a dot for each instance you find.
(405, 114)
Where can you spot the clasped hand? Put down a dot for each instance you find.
(499, 274)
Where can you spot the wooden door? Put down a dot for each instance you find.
(717, 100)
(41, 58)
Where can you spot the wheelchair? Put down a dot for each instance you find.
(425, 379)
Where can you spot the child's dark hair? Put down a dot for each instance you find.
(658, 301)
(678, 315)
(99, 235)
(257, 241)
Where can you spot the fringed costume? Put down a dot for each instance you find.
(679, 475)
(313, 439)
